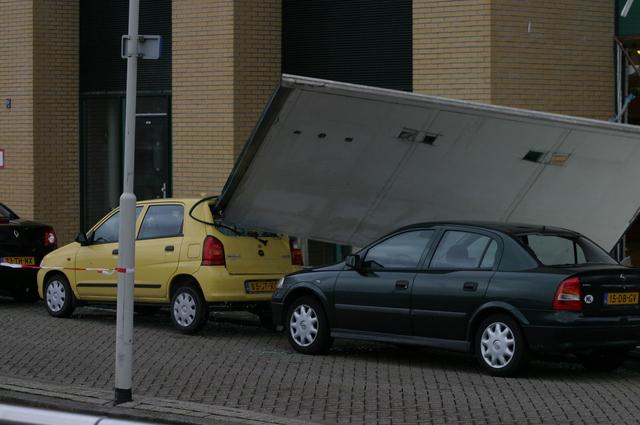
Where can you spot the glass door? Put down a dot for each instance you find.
(152, 157)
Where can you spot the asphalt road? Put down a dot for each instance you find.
(235, 363)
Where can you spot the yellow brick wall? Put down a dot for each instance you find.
(257, 53)
(16, 124)
(226, 58)
(39, 73)
(554, 56)
(55, 135)
(451, 48)
(548, 55)
(202, 95)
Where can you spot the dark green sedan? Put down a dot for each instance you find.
(501, 291)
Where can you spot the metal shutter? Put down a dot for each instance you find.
(356, 41)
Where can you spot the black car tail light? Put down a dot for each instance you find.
(213, 252)
(568, 296)
(50, 239)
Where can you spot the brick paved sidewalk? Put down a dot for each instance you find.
(236, 364)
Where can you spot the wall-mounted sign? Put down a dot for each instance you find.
(1, 158)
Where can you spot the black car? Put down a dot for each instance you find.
(22, 242)
(501, 291)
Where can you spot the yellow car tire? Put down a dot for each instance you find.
(58, 297)
(189, 310)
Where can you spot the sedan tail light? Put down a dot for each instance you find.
(50, 239)
(568, 296)
(296, 253)
(212, 252)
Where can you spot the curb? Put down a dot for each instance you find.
(97, 401)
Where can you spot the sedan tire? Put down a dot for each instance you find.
(189, 310)
(500, 346)
(307, 326)
(58, 297)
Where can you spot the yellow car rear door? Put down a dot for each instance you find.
(158, 250)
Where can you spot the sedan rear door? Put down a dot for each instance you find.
(446, 293)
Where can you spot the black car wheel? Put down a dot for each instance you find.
(603, 360)
(58, 297)
(500, 346)
(189, 311)
(307, 326)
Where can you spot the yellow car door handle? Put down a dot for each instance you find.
(169, 248)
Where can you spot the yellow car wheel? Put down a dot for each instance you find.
(58, 297)
(189, 311)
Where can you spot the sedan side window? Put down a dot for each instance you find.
(489, 259)
(464, 250)
(108, 231)
(401, 251)
(162, 221)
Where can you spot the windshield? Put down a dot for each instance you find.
(7, 213)
(561, 250)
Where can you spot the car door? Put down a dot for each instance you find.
(101, 252)
(158, 250)
(376, 297)
(445, 294)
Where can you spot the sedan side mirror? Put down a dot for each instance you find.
(353, 261)
(82, 239)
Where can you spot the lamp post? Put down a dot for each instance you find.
(126, 235)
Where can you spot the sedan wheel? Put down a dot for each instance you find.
(189, 311)
(500, 347)
(58, 297)
(308, 331)
(497, 345)
(303, 325)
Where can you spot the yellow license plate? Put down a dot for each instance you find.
(260, 285)
(621, 298)
(25, 261)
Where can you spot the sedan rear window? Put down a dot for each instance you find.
(560, 250)
(464, 250)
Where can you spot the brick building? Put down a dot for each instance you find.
(62, 80)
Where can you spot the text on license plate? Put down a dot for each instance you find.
(25, 261)
(260, 285)
(621, 298)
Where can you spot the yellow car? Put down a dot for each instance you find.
(184, 258)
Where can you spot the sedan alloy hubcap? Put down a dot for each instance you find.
(184, 309)
(497, 345)
(56, 296)
(304, 325)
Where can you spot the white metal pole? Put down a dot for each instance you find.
(126, 244)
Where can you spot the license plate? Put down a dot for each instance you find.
(621, 298)
(25, 261)
(252, 286)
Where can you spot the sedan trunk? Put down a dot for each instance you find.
(611, 291)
